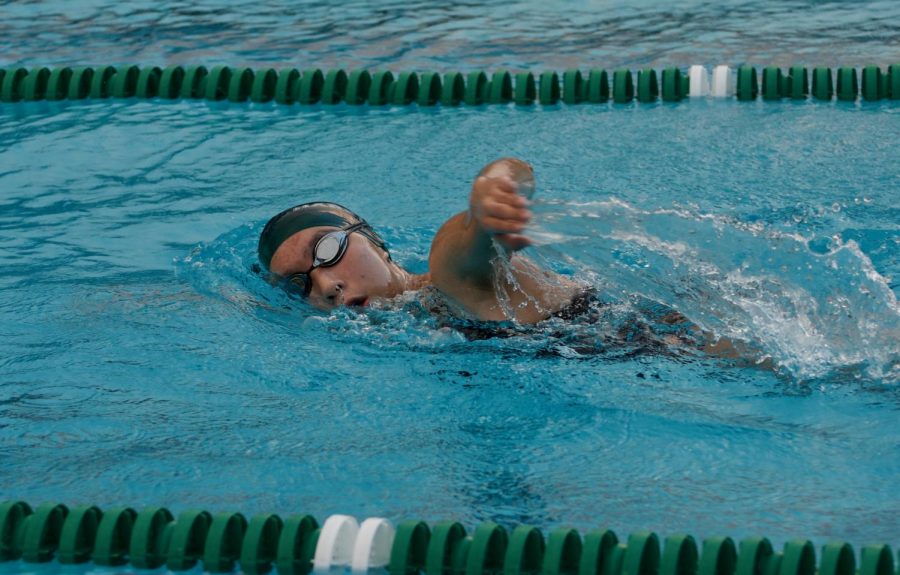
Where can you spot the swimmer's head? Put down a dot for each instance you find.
(309, 215)
(329, 256)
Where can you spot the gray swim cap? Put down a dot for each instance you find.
(309, 215)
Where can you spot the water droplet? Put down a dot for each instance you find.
(835, 207)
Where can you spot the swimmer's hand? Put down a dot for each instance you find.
(497, 207)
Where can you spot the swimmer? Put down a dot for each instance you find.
(329, 255)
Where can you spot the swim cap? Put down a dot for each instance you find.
(309, 215)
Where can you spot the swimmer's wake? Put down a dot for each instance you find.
(814, 313)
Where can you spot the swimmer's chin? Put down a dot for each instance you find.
(376, 302)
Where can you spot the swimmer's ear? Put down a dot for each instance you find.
(267, 276)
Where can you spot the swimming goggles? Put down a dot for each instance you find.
(327, 252)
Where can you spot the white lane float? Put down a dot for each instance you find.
(373, 546)
(337, 540)
(699, 81)
(722, 85)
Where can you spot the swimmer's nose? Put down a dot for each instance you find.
(331, 290)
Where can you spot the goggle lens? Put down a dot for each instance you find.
(328, 249)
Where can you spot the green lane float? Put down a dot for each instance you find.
(822, 84)
(10, 89)
(430, 87)
(406, 89)
(298, 545)
(148, 82)
(309, 88)
(573, 87)
(847, 84)
(263, 88)
(454, 89)
(170, 82)
(150, 537)
(548, 92)
(799, 83)
(241, 84)
(410, 548)
(597, 87)
(648, 86)
(224, 537)
(194, 82)
(80, 83)
(381, 88)
(501, 88)
(679, 556)
(525, 551)
(79, 529)
(217, 82)
(260, 545)
(525, 91)
(124, 82)
(34, 86)
(719, 556)
(872, 83)
(623, 87)
(358, 83)
(285, 84)
(747, 87)
(289, 86)
(334, 88)
(773, 85)
(111, 547)
(674, 85)
(476, 88)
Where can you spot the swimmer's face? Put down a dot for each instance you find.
(363, 273)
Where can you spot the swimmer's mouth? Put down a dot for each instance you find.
(361, 301)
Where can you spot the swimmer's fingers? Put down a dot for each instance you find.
(512, 200)
(506, 190)
(501, 211)
(496, 225)
(501, 189)
(506, 212)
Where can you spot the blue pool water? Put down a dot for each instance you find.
(142, 362)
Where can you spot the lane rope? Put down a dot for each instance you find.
(298, 545)
(289, 86)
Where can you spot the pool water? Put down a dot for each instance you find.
(143, 362)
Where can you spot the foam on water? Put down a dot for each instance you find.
(813, 311)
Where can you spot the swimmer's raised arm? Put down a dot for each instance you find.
(463, 260)
(463, 248)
